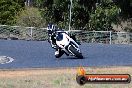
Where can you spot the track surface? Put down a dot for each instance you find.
(38, 54)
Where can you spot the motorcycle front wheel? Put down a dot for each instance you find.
(75, 52)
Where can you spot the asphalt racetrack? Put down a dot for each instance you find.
(39, 54)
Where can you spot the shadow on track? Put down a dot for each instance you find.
(71, 58)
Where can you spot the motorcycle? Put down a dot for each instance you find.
(67, 44)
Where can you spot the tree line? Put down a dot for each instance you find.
(86, 14)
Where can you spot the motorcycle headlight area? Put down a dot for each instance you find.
(59, 37)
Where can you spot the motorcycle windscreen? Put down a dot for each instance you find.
(59, 37)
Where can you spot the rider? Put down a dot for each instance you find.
(52, 40)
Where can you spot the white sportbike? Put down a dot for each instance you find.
(67, 44)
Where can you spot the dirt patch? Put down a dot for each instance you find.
(26, 72)
(93, 70)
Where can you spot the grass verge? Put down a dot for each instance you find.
(57, 78)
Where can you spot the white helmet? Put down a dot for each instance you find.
(51, 28)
